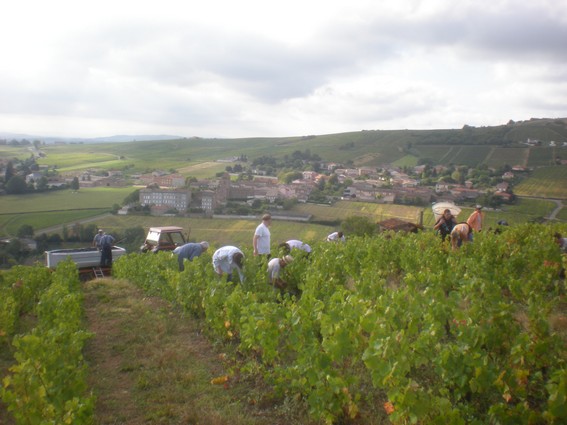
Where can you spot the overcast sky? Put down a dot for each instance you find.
(243, 68)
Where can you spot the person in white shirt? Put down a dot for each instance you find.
(336, 236)
(275, 265)
(227, 259)
(295, 244)
(261, 240)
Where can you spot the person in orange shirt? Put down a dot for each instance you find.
(476, 219)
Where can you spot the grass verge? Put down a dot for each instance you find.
(150, 364)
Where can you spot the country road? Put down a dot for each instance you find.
(558, 205)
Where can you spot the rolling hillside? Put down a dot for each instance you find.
(493, 146)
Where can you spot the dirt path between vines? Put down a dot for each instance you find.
(149, 364)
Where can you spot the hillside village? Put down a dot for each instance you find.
(169, 193)
(266, 181)
(163, 192)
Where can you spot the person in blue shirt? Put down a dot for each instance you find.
(106, 250)
(189, 251)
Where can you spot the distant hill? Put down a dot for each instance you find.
(492, 146)
(112, 139)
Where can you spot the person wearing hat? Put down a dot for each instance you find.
(275, 265)
(189, 251)
(476, 219)
(97, 238)
(227, 259)
(261, 240)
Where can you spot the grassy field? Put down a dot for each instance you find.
(563, 213)
(221, 232)
(510, 156)
(239, 231)
(59, 200)
(157, 366)
(204, 169)
(342, 209)
(47, 209)
(547, 182)
(406, 161)
(468, 155)
(541, 157)
(433, 152)
(9, 224)
(8, 152)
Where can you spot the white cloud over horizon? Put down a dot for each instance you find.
(256, 69)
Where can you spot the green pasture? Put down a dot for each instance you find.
(204, 170)
(367, 148)
(10, 223)
(471, 155)
(48, 209)
(8, 152)
(541, 156)
(562, 215)
(509, 156)
(343, 209)
(77, 157)
(547, 182)
(61, 200)
(406, 161)
(219, 232)
(433, 152)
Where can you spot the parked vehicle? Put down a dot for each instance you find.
(82, 257)
(165, 238)
(87, 260)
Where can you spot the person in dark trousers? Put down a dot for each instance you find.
(445, 224)
(106, 250)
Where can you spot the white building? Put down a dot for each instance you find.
(178, 199)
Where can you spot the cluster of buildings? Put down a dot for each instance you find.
(163, 193)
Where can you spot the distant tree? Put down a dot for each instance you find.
(88, 232)
(42, 242)
(17, 250)
(16, 185)
(132, 198)
(291, 176)
(358, 226)
(9, 171)
(25, 231)
(55, 239)
(42, 184)
(75, 183)
(288, 204)
(133, 238)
